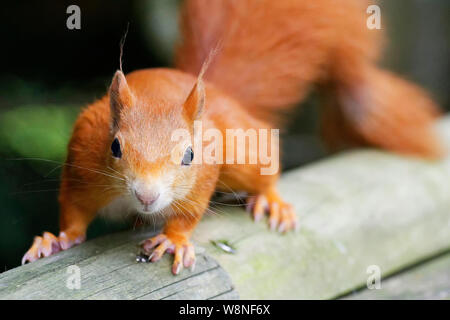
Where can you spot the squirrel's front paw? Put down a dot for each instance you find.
(49, 244)
(42, 247)
(182, 249)
(281, 214)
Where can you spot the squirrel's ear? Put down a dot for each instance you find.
(120, 96)
(195, 102)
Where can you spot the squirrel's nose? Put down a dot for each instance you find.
(147, 198)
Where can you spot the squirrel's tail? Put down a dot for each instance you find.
(266, 49)
(369, 106)
(271, 52)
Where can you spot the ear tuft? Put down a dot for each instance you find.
(120, 97)
(195, 102)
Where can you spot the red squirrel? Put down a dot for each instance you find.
(270, 55)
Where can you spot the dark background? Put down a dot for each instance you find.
(49, 72)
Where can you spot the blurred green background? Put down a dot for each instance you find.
(49, 72)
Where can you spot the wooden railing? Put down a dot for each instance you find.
(359, 211)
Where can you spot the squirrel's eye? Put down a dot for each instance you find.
(188, 156)
(115, 148)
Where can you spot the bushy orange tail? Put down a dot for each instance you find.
(378, 108)
(271, 52)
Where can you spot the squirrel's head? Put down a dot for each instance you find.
(155, 169)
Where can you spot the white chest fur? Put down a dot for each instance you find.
(118, 209)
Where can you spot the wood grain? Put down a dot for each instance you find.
(430, 280)
(356, 209)
(109, 270)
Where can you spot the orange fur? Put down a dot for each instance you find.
(269, 55)
(272, 52)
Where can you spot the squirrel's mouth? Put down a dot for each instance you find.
(157, 206)
(150, 200)
(146, 208)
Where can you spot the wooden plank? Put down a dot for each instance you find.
(430, 280)
(109, 270)
(356, 209)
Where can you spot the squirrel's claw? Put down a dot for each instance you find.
(42, 247)
(67, 241)
(184, 252)
(49, 244)
(282, 216)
